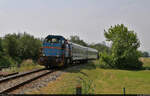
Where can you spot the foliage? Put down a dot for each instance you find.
(145, 54)
(28, 62)
(124, 53)
(26, 65)
(29, 47)
(4, 60)
(76, 39)
(87, 84)
(1, 48)
(18, 47)
(11, 45)
(100, 47)
(23, 46)
(106, 60)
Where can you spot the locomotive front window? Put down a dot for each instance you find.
(52, 40)
(55, 40)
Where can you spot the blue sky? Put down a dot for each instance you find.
(85, 18)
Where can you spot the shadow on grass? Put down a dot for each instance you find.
(76, 68)
(146, 68)
(125, 69)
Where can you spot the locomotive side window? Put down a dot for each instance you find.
(49, 40)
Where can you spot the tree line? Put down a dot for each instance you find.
(123, 52)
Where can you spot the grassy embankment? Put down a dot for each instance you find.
(26, 65)
(105, 81)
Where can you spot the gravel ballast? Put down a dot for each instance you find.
(37, 84)
(13, 82)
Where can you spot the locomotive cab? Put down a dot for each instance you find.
(53, 51)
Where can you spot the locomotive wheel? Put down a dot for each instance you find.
(46, 66)
(65, 63)
(49, 67)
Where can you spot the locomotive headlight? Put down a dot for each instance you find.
(43, 54)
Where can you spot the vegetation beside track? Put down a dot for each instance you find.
(26, 65)
(104, 81)
(146, 62)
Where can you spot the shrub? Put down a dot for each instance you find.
(105, 60)
(6, 61)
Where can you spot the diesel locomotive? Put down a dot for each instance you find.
(58, 51)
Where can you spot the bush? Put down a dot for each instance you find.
(105, 60)
(6, 61)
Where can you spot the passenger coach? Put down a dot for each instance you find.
(57, 51)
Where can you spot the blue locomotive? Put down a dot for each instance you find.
(57, 51)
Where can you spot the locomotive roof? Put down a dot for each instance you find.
(49, 36)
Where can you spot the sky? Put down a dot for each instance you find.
(85, 18)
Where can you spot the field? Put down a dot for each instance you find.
(100, 81)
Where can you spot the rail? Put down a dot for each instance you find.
(23, 83)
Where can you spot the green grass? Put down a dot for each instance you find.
(103, 81)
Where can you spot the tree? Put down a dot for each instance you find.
(76, 39)
(4, 59)
(145, 54)
(29, 47)
(100, 47)
(1, 48)
(124, 53)
(19, 47)
(12, 45)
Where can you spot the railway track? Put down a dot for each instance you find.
(12, 83)
(10, 74)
